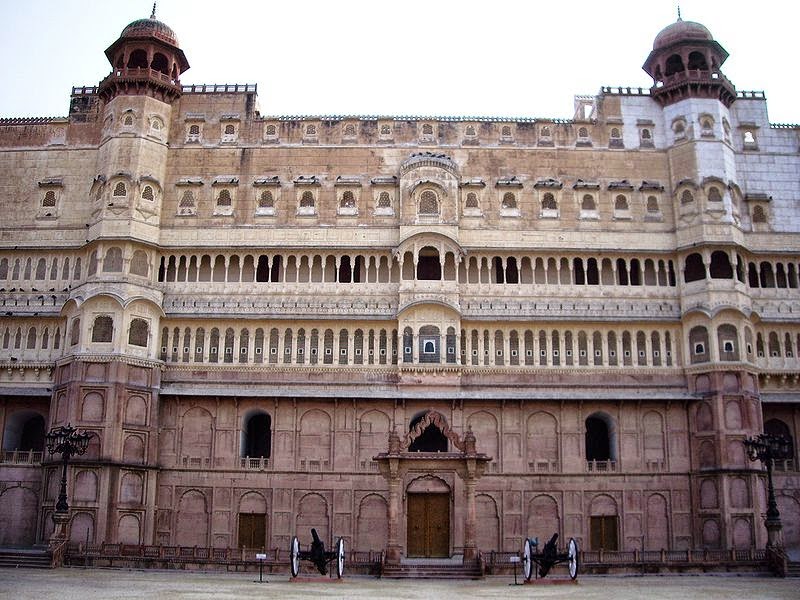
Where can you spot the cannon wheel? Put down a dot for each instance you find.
(527, 561)
(294, 556)
(572, 558)
(339, 558)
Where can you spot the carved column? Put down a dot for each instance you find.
(471, 522)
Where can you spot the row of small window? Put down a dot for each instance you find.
(778, 344)
(426, 133)
(24, 270)
(764, 274)
(428, 204)
(102, 332)
(477, 347)
(129, 121)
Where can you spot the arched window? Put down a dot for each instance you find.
(646, 135)
(427, 129)
(139, 264)
(187, 200)
(509, 201)
(348, 200)
(112, 263)
(506, 131)
(230, 129)
(583, 132)
(224, 198)
(137, 59)
(384, 200)
(698, 342)
(614, 132)
(674, 65)
(759, 214)
(687, 197)
(307, 200)
(472, 200)
(428, 203)
(256, 436)
(652, 204)
(147, 193)
(266, 200)
(430, 440)
(778, 427)
(24, 431)
(311, 130)
(350, 130)
(587, 203)
(120, 191)
(127, 120)
(714, 195)
(620, 202)
(549, 202)
(694, 269)
(103, 329)
(720, 266)
(194, 130)
(386, 130)
(470, 131)
(49, 199)
(138, 333)
(697, 62)
(429, 267)
(271, 131)
(599, 438)
(160, 63)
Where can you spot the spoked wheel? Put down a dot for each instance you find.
(294, 556)
(339, 558)
(527, 561)
(572, 558)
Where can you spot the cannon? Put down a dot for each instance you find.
(549, 556)
(316, 555)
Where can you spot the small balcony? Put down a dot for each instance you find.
(21, 457)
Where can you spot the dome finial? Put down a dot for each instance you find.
(153, 15)
(679, 11)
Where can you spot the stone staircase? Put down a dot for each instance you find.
(28, 558)
(793, 569)
(432, 569)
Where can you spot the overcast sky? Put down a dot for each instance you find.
(488, 58)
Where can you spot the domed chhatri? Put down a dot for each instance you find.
(681, 31)
(685, 62)
(150, 27)
(146, 59)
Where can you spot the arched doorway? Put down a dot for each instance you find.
(430, 440)
(428, 511)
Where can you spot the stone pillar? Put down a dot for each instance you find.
(470, 521)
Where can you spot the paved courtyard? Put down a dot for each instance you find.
(80, 584)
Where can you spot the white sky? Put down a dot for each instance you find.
(410, 57)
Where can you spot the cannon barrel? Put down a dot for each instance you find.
(315, 535)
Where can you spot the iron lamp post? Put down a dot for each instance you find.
(768, 448)
(67, 442)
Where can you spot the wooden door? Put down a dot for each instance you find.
(252, 530)
(428, 531)
(603, 533)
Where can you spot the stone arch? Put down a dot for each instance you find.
(191, 527)
(93, 407)
(742, 533)
(707, 456)
(487, 535)
(315, 435)
(710, 536)
(657, 533)
(131, 488)
(253, 503)
(603, 505)
(129, 529)
(312, 511)
(542, 438)
(789, 508)
(704, 417)
(372, 435)
(82, 527)
(543, 519)
(429, 420)
(653, 426)
(739, 493)
(372, 524)
(197, 433)
(733, 414)
(136, 411)
(85, 486)
(708, 494)
(18, 505)
(484, 426)
(600, 437)
(133, 449)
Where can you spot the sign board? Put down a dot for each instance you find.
(261, 557)
(514, 559)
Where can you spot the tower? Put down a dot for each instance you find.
(696, 100)
(109, 380)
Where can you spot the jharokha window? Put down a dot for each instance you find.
(428, 203)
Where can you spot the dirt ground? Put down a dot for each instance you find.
(90, 584)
